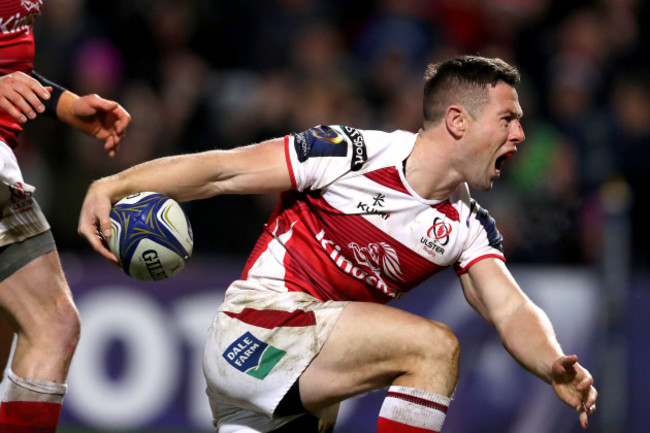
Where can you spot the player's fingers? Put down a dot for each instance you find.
(590, 400)
(104, 227)
(22, 85)
(86, 228)
(38, 91)
(587, 407)
(123, 118)
(27, 99)
(105, 252)
(19, 101)
(82, 109)
(585, 384)
(584, 419)
(100, 103)
(563, 368)
(113, 142)
(94, 216)
(12, 110)
(90, 105)
(568, 361)
(47, 93)
(585, 412)
(110, 146)
(591, 409)
(117, 122)
(96, 241)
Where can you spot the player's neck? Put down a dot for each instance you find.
(430, 168)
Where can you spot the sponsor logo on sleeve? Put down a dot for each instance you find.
(359, 153)
(301, 144)
(321, 141)
(253, 356)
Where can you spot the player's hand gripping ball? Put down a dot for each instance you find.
(152, 236)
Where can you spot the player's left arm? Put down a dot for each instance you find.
(91, 114)
(527, 334)
(255, 169)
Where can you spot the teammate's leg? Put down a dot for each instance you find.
(7, 335)
(37, 301)
(374, 346)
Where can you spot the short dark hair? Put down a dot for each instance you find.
(464, 81)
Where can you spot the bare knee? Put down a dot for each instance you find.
(440, 344)
(46, 344)
(57, 329)
(70, 325)
(432, 363)
(67, 323)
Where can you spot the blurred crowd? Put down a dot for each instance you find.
(204, 74)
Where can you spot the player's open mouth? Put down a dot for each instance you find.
(500, 160)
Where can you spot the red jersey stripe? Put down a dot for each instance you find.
(388, 177)
(461, 271)
(446, 208)
(288, 158)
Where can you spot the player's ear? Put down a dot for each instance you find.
(456, 120)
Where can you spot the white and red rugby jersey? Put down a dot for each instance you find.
(353, 229)
(17, 18)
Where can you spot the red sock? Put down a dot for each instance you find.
(29, 416)
(410, 410)
(385, 425)
(29, 405)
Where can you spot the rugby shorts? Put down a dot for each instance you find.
(20, 215)
(15, 256)
(259, 344)
(24, 231)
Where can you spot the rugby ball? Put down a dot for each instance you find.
(151, 236)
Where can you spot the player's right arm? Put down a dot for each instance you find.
(255, 169)
(527, 333)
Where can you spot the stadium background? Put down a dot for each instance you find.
(202, 74)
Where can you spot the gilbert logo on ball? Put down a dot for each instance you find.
(152, 236)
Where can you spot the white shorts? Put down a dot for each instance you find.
(20, 215)
(259, 344)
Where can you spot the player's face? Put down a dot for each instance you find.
(494, 136)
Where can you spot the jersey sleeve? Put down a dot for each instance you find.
(483, 241)
(320, 155)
